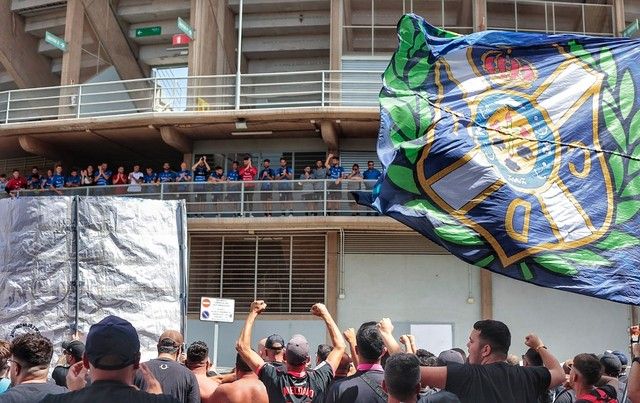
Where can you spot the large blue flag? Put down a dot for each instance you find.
(519, 153)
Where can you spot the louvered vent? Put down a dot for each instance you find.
(287, 271)
(403, 243)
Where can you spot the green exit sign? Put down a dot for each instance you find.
(55, 41)
(148, 31)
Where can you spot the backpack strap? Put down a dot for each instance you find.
(374, 385)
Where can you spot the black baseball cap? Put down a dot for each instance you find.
(112, 344)
(74, 348)
(274, 342)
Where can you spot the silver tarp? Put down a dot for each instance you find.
(130, 262)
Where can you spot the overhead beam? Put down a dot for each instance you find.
(335, 36)
(36, 146)
(175, 139)
(19, 52)
(329, 136)
(122, 53)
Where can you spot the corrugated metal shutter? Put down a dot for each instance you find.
(287, 271)
(409, 243)
(361, 90)
(348, 158)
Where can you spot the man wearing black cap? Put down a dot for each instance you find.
(28, 369)
(274, 350)
(612, 367)
(295, 383)
(73, 351)
(176, 379)
(112, 356)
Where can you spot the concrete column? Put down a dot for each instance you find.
(333, 262)
(330, 136)
(175, 139)
(619, 18)
(486, 294)
(71, 59)
(479, 15)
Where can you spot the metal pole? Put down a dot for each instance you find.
(153, 97)
(322, 90)
(239, 61)
(6, 116)
(216, 329)
(79, 99)
(324, 198)
(242, 199)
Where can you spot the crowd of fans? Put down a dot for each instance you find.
(376, 368)
(201, 172)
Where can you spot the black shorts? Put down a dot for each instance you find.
(309, 196)
(286, 196)
(266, 195)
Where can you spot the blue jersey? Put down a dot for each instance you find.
(280, 176)
(215, 175)
(149, 178)
(73, 180)
(167, 176)
(270, 174)
(34, 183)
(233, 175)
(47, 181)
(200, 174)
(336, 172)
(371, 174)
(183, 176)
(101, 180)
(58, 181)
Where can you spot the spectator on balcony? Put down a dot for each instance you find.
(285, 173)
(267, 174)
(103, 175)
(182, 176)
(201, 170)
(354, 184)
(73, 180)
(58, 180)
(335, 173)
(371, 174)
(3, 182)
(248, 174)
(217, 178)
(233, 188)
(86, 176)
(319, 172)
(34, 178)
(15, 183)
(166, 175)
(149, 176)
(120, 179)
(46, 181)
(308, 191)
(136, 178)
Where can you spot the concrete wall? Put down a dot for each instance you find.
(434, 289)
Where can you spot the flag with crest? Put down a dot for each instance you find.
(518, 153)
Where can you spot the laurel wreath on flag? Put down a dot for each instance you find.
(412, 115)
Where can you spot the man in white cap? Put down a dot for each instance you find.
(293, 383)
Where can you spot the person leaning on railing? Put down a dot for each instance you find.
(308, 194)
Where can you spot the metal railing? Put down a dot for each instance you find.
(240, 198)
(192, 94)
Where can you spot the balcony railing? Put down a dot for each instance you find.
(240, 199)
(192, 94)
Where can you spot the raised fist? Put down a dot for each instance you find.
(319, 310)
(385, 326)
(258, 307)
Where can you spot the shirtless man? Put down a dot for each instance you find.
(246, 388)
(198, 362)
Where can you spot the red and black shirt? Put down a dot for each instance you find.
(292, 387)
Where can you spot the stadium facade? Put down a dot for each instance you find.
(123, 86)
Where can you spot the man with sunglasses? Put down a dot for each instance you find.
(29, 367)
(176, 379)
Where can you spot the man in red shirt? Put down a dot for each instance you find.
(248, 173)
(16, 183)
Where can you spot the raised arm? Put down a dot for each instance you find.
(633, 384)
(243, 346)
(386, 330)
(548, 360)
(328, 161)
(350, 336)
(335, 356)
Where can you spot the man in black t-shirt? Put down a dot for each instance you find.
(112, 355)
(29, 366)
(293, 383)
(176, 379)
(488, 378)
